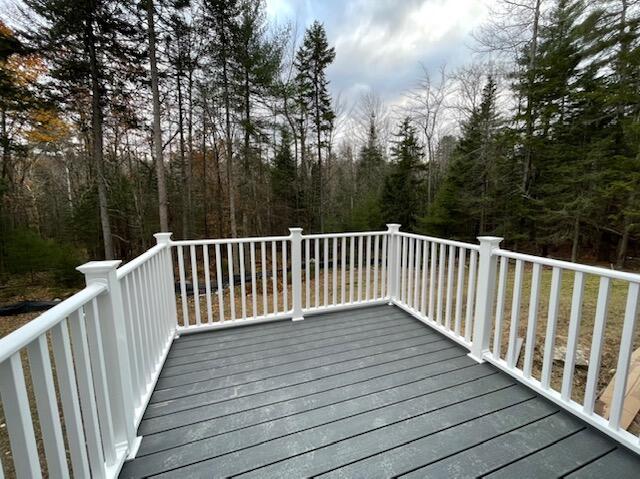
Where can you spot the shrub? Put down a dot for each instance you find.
(27, 252)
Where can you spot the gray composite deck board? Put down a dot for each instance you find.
(369, 393)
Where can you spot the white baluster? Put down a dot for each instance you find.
(296, 272)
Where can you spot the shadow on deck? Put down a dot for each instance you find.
(370, 392)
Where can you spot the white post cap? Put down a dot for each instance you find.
(162, 238)
(99, 267)
(98, 270)
(492, 240)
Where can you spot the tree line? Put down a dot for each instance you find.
(120, 119)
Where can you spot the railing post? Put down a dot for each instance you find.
(116, 352)
(296, 272)
(168, 276)
(392, 261)
(485, 295)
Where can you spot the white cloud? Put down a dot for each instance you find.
(399, 40)
(381, 44)
(279, 9)
(392, 38)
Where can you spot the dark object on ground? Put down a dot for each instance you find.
(202, 288)
(26, 307)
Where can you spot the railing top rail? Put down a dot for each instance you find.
(583, 268)
(255, 239)
(344, 235)
(21, 337)
(127, 268)
(459, 244)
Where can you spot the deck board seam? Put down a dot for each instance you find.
(351, 341)
(451, 346)
(503, 433)
(582, 466)
(451, 426)
(490, 373)
(211, 337)
(394, 332)
(528, 423)
(359, 434)
(286, 323)
(393, 324)
(336, 387)
(530, 453)
(345, 372)
(298, 370)
(397, 422)
(320, 407)
(207, 347)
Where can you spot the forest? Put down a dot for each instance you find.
(123, 118)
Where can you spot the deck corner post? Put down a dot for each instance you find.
(116, 349)
(164, 239)
(393, 261)
(485, 295)
(296, 273)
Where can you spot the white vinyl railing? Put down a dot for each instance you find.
(567, 288)
(226, 282)
(231, 281)
(344, 270)
(77, 379)
(436, 282)
(109, 341)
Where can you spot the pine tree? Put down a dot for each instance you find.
(157, 132)
(465, 204)
(404, 184)
(283, 181)
(559, 193)
(221, 16)
(312, 59)
(370, 173)
(257, 57)
(612, 35)
(17, 100)
(100, 48)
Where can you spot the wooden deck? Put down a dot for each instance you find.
(368, 393)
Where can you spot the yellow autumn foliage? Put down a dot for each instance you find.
(23, 69)
(46, 126)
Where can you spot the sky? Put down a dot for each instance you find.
(383, 45)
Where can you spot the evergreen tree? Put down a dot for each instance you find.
(257, 58)
(370, 173)
(312, 59)
(283, 182)
(465, 204)
(17, 100)
(612, 46)
(100, 48)
(560, 193)
(221, 16)
(404, 184)
(157, 131)
(179, 53)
